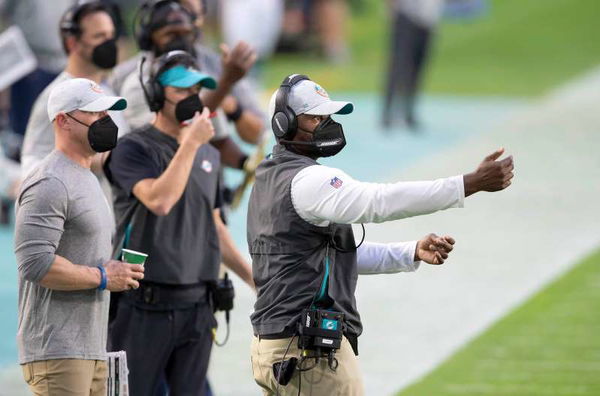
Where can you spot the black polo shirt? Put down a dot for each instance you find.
(183, 246)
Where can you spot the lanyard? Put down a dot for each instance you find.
(325, 282)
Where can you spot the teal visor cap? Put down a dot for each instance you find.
(182, 77)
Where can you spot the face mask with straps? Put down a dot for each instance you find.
(102, 133)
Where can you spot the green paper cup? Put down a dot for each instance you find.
(133, 257)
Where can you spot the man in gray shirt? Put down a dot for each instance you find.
(63, 244)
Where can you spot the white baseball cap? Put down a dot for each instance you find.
(308, 97)
(81, 94)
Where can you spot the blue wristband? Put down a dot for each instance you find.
(103, 278)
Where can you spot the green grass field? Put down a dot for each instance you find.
(548, 346)
(521, 47)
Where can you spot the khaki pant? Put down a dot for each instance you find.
(321, 380)
(68, 377)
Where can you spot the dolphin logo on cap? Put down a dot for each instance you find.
(96, 88)
(321, 91)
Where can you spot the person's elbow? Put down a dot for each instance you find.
(220, 226)
(29, 274)
(34, 269)
(160, 207)
(160, 204)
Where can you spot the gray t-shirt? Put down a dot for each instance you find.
(61, 210)
(39, 135)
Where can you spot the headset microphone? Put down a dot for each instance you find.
(322, 143)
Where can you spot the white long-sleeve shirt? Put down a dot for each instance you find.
(386, 258)
(322, 194)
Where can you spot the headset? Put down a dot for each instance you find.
(69, 22)
(154, 92)
(285, 122)
(144, 17)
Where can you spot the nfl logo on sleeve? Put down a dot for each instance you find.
(336, 182)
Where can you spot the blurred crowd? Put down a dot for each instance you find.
(293, 25)
(317, 27)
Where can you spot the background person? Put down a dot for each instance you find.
(413, 23)
(88, 35)
(316, 25)
(177, 25)
(63, 245)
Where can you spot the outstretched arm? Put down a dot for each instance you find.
(389, 258)
(322, 194)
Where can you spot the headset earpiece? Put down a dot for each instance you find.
(143, 17)
(159, 94)
(280, 124)
(67, 23)
(285, 121)
(154, 92)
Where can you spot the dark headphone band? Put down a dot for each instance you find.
(153, 90)
(69, 23)
(283, 93)
(284, 121)
(184, 58)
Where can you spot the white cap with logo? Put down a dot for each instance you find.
(308, 97)
(81, 94)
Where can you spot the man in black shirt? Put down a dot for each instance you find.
(165, 180)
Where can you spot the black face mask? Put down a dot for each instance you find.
(105, 55)
(102, 133)
(328, 140)
(186, 108)
(179, 43)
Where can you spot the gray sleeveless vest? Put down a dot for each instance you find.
(288, 253)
